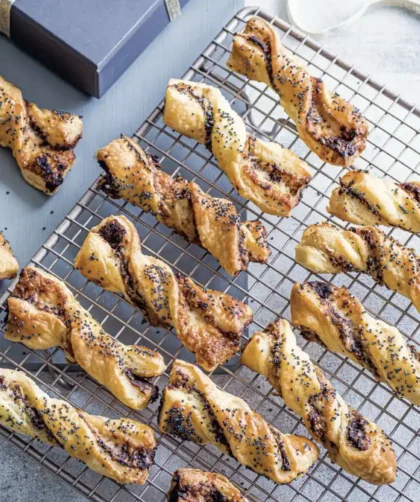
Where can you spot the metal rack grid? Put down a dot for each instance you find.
(393, 150)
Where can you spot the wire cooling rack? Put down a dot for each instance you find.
(393, 150)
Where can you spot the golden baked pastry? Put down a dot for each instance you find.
(356, 444)
(208, 221)
(194, 409)
(41, 140)
(366, 200)
(264, 173)
(43, 313)
(193, 485)
(325, 248)
(336, 319)
(8, 264)
(120, 449)
(210, 324)
(329, 125)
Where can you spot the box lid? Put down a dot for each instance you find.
(88, 42)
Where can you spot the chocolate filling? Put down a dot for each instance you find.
(140, 459)
(310, 335)
(190, 296)
(412, 189)
(107, 183)
(201, 491)
(343, 144)
(322, 289)
(356, 432)
(53, 178)
(113, 233)
(181, 425)
(316, 420)
(266, 49)
(375, 267)
(360, 196)
(207, 109)
(285, 464)
(144, 385)
(349, 335)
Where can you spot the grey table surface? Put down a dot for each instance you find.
(384, 43)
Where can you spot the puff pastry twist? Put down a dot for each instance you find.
(336, 319)
(43, 313)
(194, 409)
(120, 449)
(366, 200)
(180, 204)
(329, 125)
(193, 485)
(264, 173)
(210, 324)
(41, 141)
(325, 248)
(352, 441)
(8, 264)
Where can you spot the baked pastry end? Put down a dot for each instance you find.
(209, 323)
(194, 409)
(120, 449)
(271, 177)
(43, 313)
(330, 126)
(193, 485)
(210, 222)
(325, 248)
(364, 199)
(8, 264)
(355, 443)
(333, 317)
(41, 140)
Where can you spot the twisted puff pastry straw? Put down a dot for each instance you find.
(325, 248)
(329, 125)
(352, 441)
(43, 314)
(366, 200)
(120, 449)
(264, 173)
(8, 264)
(192, 485)
(208, 323)
(194, 409)
(41, 141)
(180, 204)
(334, 318)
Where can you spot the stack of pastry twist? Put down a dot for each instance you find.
(43, 313)
(42, 141)
(119, 449)
(328, 249)
(356, 444)
(264, 173)
(208, 323)
(367, 200)
(194, 409)
(328, 124)
(333, 317)
(192, 485)
(180, 204)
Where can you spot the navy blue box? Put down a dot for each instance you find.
(90, 43)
